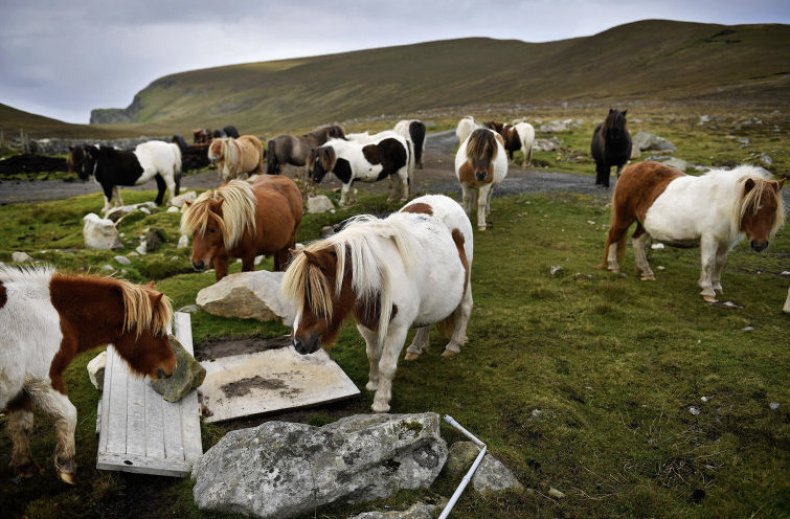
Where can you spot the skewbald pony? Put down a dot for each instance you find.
(231, 205)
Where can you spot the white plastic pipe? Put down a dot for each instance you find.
(468, 477)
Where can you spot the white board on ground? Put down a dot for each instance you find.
(142, 433)
(271, 380)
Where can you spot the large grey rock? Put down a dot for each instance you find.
(21, 257)
(188, 375)
(557, 126)
(280, 470)
(547, 144)
(416, 511)
(247, 295)
(644, 141)
(319, 204)
(100, 233)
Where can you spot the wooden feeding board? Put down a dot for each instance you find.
(271, 380)
(140, 432)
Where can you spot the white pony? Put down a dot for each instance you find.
(409, 269)
(480, 164)
(465, 128)
(525, 133)
(364, 157)
(715, 210)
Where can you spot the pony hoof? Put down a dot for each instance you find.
(380, 408)
(26, 470)
(411, 356)
(449, 354)
(710, 299)
(648, 277)
(481, 229)
(67, 477)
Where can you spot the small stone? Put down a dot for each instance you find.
(123, 260)
(774, 406)
(145, 210)
(319, 204)
(553, 492)
(188, 375)
(706, 399)
(173, 209)
(108, 268)
(536, 413)
(554, 270)
(141, 249)
(21, 257)
(590, 222)
(730, 304)
(747, 329)
(100, 233)
(657, 246)
(183, 242)
(694, 410)
(661, 267)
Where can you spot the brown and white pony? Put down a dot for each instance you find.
(714, 211)
(46, 318)
(480, 164)
(294, 150)
(242, 220)
(236, 158)
(412, 268)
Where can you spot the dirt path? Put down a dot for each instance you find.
(437, 177)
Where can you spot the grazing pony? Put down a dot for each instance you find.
(519, 136)
(46, 319)
(480, 164)
(236, 158)
(414, 130)
(409, 269)
(714, 211)
(243, 220)
(295, 150)
(611, 146)
(385, 155)
(153, 159)
(465, 128)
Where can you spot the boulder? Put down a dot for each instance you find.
(100, 233)
(179, 200)
(21, 257)
(281, 470)
(416, 511)
(547, 144)
(188, 375)
(644, 141)
(117, 213)
(123, 260)
(319, 204)
(96, 370)
(247, 295)
(493, 476)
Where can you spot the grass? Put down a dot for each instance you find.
(581, 381)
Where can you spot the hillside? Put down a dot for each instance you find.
(12, 120)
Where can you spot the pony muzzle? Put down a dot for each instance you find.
(480, 175)
(199, 265)
(759, 246)
(306, 346)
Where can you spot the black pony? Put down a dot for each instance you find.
(611, 146)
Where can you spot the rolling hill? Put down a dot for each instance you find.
(646, 60)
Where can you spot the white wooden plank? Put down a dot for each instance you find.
(142, 433)
(273, 380)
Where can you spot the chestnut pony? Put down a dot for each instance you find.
(236, 158)
(409, 269)
(46, 319)
(242, 220)
(714, 211)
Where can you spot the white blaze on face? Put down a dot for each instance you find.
(296, 321)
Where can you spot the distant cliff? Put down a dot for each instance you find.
(117, 115)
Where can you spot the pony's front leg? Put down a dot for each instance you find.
(116, 193)
(708, 250)
(393, 195)
(403, 174)
(482, 206)
(418, 344)
(373, 353)
(721, 260)
(248, 263)
(640, 242)
(460, 322)
(467, 199)
(19, 424)
(64, 413)
(220, 267)
(344, 190)
(388, 363)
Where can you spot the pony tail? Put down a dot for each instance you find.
(271, 158)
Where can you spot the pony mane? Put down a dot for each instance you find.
(481, 145)
(139, 312)
(360, 242)
(35, 273)
(238, 212)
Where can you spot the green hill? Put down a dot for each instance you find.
(646, 60)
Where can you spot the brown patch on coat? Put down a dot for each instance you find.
(3, 296)
(328, 157)
(419, 207)
(459, 240)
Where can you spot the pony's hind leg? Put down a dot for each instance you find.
(418, 344)
(460, 320)
(640, 241)
(116, 195)
(19, 424)
(482, 206)
(57, 405)
(721, 260)
(160, 186)
(373, 353)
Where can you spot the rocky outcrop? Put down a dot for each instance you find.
(247, 295)
(281, 470)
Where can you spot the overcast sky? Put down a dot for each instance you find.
(61, 58)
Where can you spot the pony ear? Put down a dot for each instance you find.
(625, 112)
(150, 284)
(611, 110)
(187, 203)
(748, 185)
(311, 258)
(779, 184)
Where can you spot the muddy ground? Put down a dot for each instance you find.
(437, 177)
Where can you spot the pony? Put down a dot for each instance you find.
(201, 136)
(385, 155)
(519, 136)
(79, 161)
(611, 146)
(715, 211)
(480, 164)
(46, 319)
(242, 220)
(294, 150)
(231, 131)
(153, 159)
(465, 128)
(182, 143)
(236, 157)
(414, 130)
(409, 269)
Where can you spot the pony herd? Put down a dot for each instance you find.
(411, 269)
